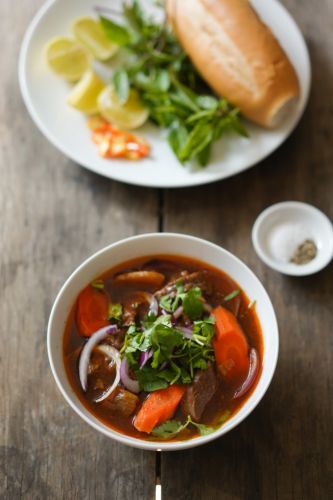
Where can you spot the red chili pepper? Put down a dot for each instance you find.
(115, 143)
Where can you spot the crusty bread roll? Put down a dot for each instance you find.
(237, 55)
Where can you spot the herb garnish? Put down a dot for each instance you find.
(170, 87)
(174, 356)
(115, 311)
(231, 295)
(98, 284)
(171, 428)
(190, 300)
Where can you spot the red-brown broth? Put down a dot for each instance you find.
(223, 285)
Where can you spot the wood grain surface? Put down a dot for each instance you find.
(53, 214)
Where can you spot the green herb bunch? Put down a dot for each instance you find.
(174, 357)
(170, 87)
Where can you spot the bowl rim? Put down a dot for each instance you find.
(286, 268)
(235, 420)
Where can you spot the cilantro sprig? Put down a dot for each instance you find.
(170, 87)
(171, 428)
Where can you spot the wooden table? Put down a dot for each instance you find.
(54, 214)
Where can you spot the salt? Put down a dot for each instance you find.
(284, 239)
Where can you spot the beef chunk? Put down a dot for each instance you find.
(116, 339)
(199, 278)
(122, 401)
(200, 392)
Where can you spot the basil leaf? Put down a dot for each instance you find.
(204, 155)
(115, 32)
(121, 85)
(177, 138)
(198, 139)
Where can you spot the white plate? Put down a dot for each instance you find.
(45, 96)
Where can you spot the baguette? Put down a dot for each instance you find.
(237, 55)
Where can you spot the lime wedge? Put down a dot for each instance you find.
(127, 116)
(67, 58)
(84, 94)
(90, 33)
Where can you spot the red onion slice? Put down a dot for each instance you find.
(153, 307)
(129, 383)
(144, 357)
(178, 312)
(251, 376)
(95, 339)
(113, 354)
(187, 332)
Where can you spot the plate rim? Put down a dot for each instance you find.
(192, 180)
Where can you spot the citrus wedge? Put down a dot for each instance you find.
(127, 116)
(67, 58)
(84, 94)
(90, 33)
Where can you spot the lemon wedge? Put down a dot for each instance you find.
(127, 116)
(67, 58)
(90, 33)
(84, 94)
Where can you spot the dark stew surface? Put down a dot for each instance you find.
(163, 348)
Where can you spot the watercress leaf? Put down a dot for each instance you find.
(192, 304)
(121, 85)
(115, 32)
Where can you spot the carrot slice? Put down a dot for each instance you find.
(230, 346)
(158, 407)
(92, 311)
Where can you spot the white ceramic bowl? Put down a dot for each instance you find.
(157, 244)
(297, 221)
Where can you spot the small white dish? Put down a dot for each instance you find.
(167, 244)
(45, 97)
(289, 224)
